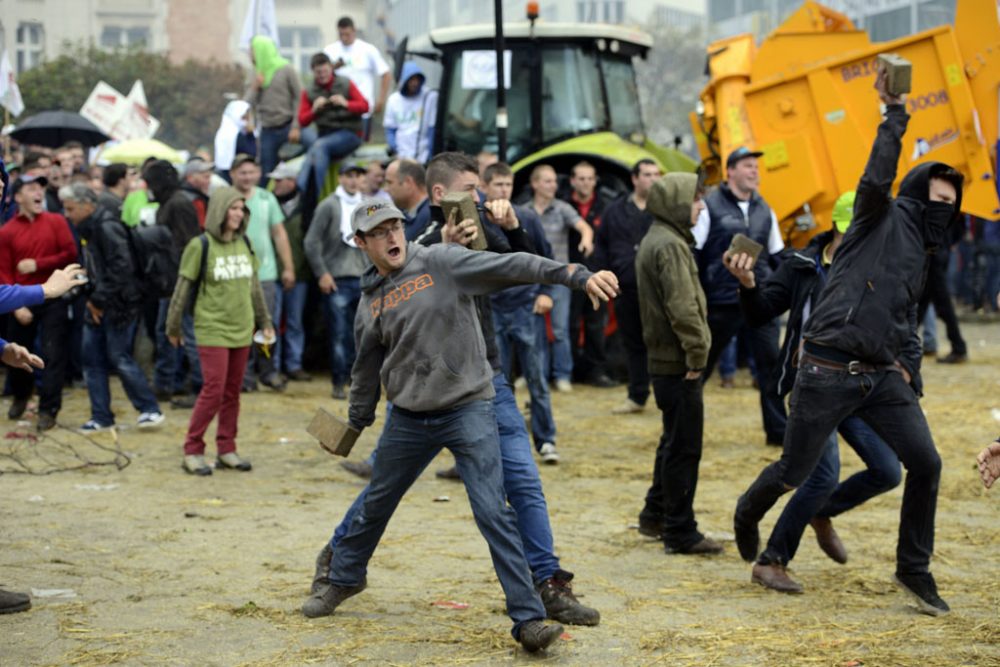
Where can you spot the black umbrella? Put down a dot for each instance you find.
(55, 128)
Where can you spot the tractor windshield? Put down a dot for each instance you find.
(580, 91)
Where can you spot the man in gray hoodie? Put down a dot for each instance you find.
(418, 334)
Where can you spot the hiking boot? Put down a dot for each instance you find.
(706, 546)
(747, 535)
(339, 393)
(360, 469)
(953, 358)
(149, 420)
(46, 421)
(321, 578)
(185, 402)
(17, 408)
(651, 528)
(12, 603)
(548, 453)
(828, 539)
(602, 380)
(232, 461)
(298, 375)
(560, 603)
(536, 635)
(629, 407)
(194, 464)
(923, 590)
(322, 603)
(449, 473)
(273, 381)
(775, 577)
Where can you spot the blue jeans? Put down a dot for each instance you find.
(325, 151)
(295, 334)
(517, 334)
(271, 139)
(521, 482)
(168, 370)
(109, 346)
(821, 496)
(258, 364)
(339, 308)
(727, 360)
(557, 363)
(408, 444)
(930, 330)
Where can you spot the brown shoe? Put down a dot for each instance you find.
(449, 473)
(704, 547)
(828, 539)
(774, 577)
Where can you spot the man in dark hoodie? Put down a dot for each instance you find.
(675, 328)
(409, 116)
(177, 212)
(861, 353)
(794, 288)
(417, 299)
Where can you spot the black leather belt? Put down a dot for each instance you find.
(851, 367)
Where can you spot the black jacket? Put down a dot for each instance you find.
(617, 240)
(799, 280)
(110, 267)
(869, 306)
(176, 210)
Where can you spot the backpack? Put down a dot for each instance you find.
(156, 262)
(204, 267)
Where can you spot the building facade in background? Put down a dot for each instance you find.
(883, 19)
(204, 30)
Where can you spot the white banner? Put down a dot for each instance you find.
(120, 117)
(260, 20)
(10, 94)
(104, 106)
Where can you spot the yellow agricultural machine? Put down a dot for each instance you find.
(805, 97)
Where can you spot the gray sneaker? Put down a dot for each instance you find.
(324, 602)
(561, 604)
(321, 578)
(536, 635)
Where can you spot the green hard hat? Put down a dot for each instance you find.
(843, 211)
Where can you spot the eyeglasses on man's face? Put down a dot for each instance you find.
(382, 231)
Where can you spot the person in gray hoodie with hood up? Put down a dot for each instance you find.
(418, 335)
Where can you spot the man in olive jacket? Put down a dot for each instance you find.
(675, 329)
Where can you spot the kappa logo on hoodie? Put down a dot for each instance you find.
(401, 294)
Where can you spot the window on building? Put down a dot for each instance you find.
(753, 6)
(888, 25)
(600, 11)
(119, 37)
(720, 10)
(934, 13)
(30, 45)
(299, 43)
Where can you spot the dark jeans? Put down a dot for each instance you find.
(105, 346)
(724, 321)
(51, 324)
(339, 308)
(167, 373)
(824, 398)
(265, 366)
(408, 444)
(271, 139)
(590, 359)
(820, 495)
(670, 498)
(327, 149)
(630, 325)
(936, 292)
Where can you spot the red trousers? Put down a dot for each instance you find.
(222, 377)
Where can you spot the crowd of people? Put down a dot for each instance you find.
(247, 238)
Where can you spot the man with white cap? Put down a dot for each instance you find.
(416, 302)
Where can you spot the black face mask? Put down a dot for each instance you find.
(937, 216)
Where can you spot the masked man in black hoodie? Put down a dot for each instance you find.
(861, 353)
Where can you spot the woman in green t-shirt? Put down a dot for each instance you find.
(228, 301)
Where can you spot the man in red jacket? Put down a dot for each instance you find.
(33, 245)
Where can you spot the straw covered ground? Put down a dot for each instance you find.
(149, 566)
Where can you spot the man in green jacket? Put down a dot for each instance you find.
(676, 333)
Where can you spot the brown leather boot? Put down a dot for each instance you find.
(775, 577)
(828, 539)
